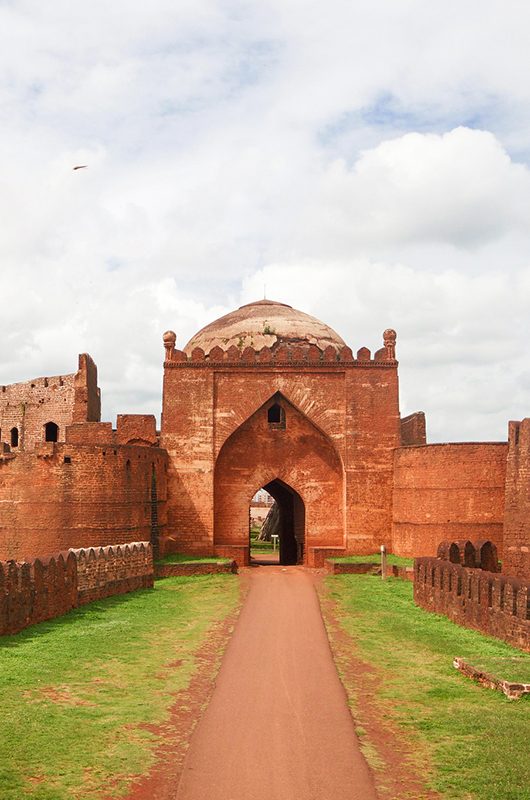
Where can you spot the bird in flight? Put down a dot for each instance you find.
(81, 166)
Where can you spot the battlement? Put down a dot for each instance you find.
(47, 587)
(284, 355)
(486, 601)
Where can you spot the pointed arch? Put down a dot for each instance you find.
(299, 456)
(283, 399)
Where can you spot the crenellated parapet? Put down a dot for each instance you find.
(281, 355)
(47, 587)
(495, 604)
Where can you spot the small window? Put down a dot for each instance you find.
(51, 432)
(67, 460)
(276, 416)
(14, 437)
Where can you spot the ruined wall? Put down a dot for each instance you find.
(517, 513)
(413, 429)
(353, 401)
(488, 602)
(48, 587)
(447, 491)
(61, 399)
(80, 494)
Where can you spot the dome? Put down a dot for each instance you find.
(264, 324)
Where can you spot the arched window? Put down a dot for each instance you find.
(14, 437)
(276, 416)
(51, 432)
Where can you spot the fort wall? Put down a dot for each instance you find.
(486, 601)
(62, 399)
(44, 588)
(81, 493)
(516, 559)
(447, 491)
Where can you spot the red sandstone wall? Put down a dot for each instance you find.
(486, 601)
(78, 495)
(355, 405)
(447, 492)
(62, 399)
(413, 429)
(517, 514)
(44, 588)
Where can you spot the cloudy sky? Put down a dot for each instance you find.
(367, 160)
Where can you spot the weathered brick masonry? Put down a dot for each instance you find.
(447, 491)
(517, 515)
(486, 601)
(45, 588)
(27, 407)
(89, 491)
(332, 450)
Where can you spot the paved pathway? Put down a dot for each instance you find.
(277, 726)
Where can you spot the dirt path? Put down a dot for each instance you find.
(277, 726)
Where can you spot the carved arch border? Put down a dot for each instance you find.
(218, 446)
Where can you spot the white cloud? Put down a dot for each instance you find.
(368, 161)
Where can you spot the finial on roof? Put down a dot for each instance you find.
(389, 340)
(169, 338)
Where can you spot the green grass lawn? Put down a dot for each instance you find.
(78, 691)
(375, 558)
(260, 547)
(471, 741)
(180, 558)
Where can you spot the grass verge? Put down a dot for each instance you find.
(79, 693)
(471, 741)
(185, 558)
(375, 558)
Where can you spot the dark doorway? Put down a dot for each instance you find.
(290, 523)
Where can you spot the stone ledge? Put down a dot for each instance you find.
(368, 568)
(194, 568)
(512, 690)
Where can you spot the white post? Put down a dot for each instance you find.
(383, 562)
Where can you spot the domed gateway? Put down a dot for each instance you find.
(270, 397)
(265, 323)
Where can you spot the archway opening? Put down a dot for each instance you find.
(285, 523)
(51, 432)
